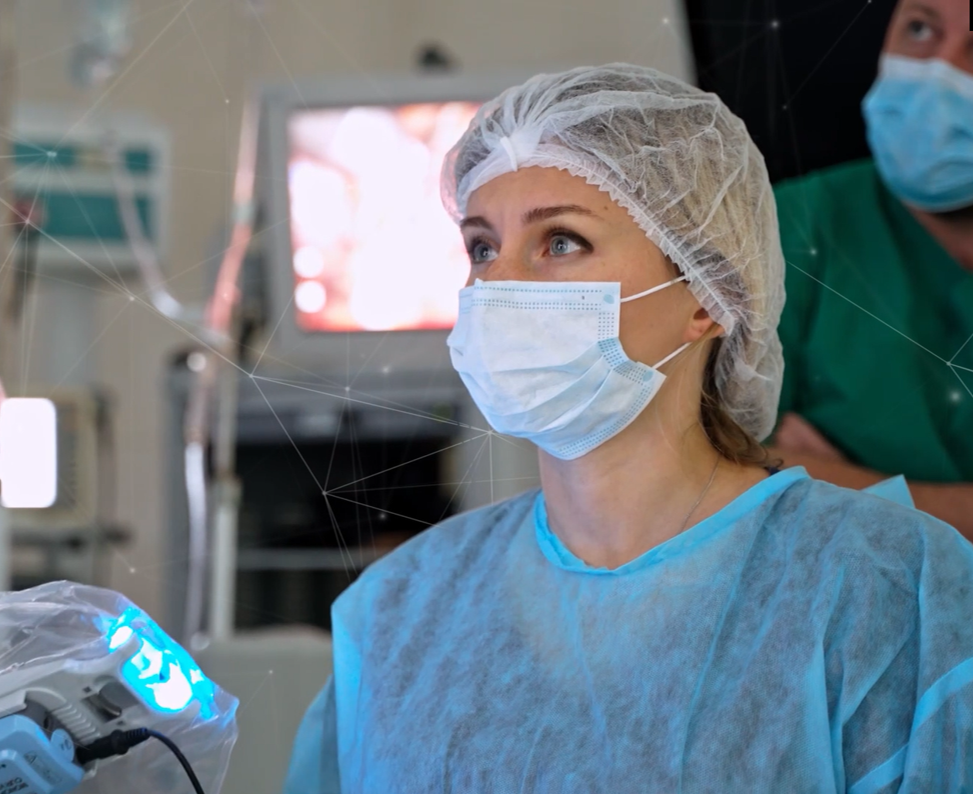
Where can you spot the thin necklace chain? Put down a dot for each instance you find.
(700, 498)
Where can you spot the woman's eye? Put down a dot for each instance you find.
(481, 252)
(561, 244)
(919, 30)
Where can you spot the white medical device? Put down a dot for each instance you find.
(80, 686)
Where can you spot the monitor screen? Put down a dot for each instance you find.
(372, 247)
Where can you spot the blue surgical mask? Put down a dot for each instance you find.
(543, 361)
(919, 117)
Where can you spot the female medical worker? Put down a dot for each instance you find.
(665, 614)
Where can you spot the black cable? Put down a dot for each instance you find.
(182, 759)
(120, 742)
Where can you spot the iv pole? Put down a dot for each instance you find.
(218, 378)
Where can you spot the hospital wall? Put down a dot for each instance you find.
(188, 72)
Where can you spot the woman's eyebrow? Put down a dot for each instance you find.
(546, 213)
(475, 220)
(929, 11)
(532, 216)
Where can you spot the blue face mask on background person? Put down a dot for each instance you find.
(543, 361)
(919, 118)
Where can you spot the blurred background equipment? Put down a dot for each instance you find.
(69, 246)
(103, 40)
(57, 471)
(63, 178)
(28, 453)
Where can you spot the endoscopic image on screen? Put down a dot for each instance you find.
(373, 248)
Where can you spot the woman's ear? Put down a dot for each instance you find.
(702, 325)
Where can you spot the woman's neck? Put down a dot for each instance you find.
(639, 489)
(953, 231)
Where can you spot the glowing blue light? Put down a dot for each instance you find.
(148, 661)
(160, 672)
(119, 637)
(174, 694)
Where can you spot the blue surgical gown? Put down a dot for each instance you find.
(805, 638)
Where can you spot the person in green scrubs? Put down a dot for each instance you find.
(878, 326)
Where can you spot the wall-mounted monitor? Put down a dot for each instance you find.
(365, 263)
(372, 249)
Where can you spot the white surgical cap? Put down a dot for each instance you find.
(684, 168)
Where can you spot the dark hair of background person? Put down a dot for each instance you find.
(794, 72)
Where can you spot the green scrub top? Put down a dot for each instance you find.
(876, 311)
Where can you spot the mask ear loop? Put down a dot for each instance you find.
(654, 289)
(678, 350)
(672, 355)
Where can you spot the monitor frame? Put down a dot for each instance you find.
(346, 355)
